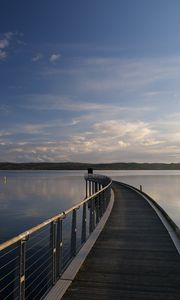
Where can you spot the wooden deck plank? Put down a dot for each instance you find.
(134, 257)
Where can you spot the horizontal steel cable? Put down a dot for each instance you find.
(38, 285)
(4, 288)
(9, 262)
(36, 261)
(1, 279)
(39, 232)
(1, 256)
(39, 242)
(11, 294)
(41, 249)
(32, 273)
(28, 286)
(41, 290)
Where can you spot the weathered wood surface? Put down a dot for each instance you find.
(134, 257)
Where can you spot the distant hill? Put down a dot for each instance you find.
(84, 166)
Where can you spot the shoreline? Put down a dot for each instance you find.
(84, 166)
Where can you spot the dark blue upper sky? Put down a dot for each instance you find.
(89, 80)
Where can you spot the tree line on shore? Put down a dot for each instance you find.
(85, 166)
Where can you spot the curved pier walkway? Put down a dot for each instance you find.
(133, 258)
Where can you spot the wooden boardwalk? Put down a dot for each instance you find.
(133, 258)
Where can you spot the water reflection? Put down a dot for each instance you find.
(27, 198)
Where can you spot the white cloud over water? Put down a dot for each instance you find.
(54, 57)
(6, 40)
(113, 140)
(37, 57)
(4, 44)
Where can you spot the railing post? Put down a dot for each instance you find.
(94, 188)
(83, 236)
(22, 260)
(109, 194)
(73, 234)
(101, 202)
(54, 250)
(89, 188)
(93, 214)
(86, 188)
(105, 200)
(94, 207)
(90, 216)
(97, 203)
(59, 248)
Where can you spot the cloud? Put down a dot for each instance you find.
(33, 128)
(54, 58)
(61, 103)
(123, 134)
(116, 76)
(112, 140)
(4, 109)
(4, 133)
(107, 125)
(3, 55)
(37, 57)
(107, 140)
(132, 83)
(40, 131)
(5, 42)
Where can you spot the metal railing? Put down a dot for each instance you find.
(32, 262)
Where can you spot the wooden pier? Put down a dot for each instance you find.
(133, 258)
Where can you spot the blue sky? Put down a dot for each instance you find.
(90, 80)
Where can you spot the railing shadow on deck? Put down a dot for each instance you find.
(32, 262)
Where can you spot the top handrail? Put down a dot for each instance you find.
(59, 216)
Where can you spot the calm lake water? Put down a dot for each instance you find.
(28, 198)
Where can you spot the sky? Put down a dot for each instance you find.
(90, 81)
